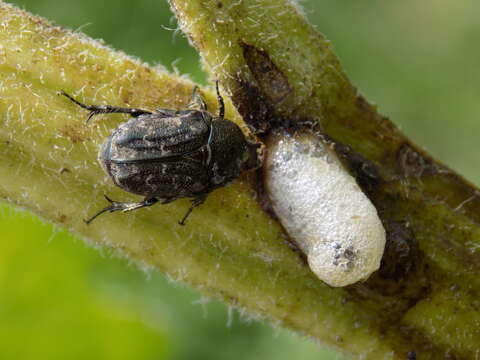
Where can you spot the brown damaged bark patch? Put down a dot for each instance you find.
(389, 324)
(365, 172)
(392, 300)
(256, 97)
(401, 251)
(403, 278)
(413, 163)
(448, 232)
(271, 80)
(255, 110)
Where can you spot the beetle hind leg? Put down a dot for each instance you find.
(122, 206)
(195, 202)
(105, 109)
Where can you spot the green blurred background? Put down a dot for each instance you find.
(419, 60)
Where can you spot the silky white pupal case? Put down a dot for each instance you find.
(323, 209)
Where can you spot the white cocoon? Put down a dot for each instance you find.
(323, 209)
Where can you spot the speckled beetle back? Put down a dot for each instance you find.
(171, 154)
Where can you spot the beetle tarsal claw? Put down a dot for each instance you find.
(108, 199)
(90, 115)
(88, 221)
(195, 202)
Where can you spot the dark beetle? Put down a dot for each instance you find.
(171, 154)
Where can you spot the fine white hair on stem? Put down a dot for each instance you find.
(322, 208)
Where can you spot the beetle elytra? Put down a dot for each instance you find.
(170, 154)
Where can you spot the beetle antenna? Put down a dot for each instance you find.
(221, 109)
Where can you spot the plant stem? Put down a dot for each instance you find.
(279, 70)
(230, 248)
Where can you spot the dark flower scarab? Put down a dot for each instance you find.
(171, 154)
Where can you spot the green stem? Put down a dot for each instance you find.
(230, 249)
(280, 70)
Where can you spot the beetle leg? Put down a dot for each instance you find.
(167, 112)
(105, 109)
(221, 105)
(197, 102)
(122, 206)
(195, 202)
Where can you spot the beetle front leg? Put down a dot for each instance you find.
(122, 206)
(105, 109)
(195, 202)
(197, 102)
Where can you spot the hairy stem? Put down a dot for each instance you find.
(281, 71)
(278, 69)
